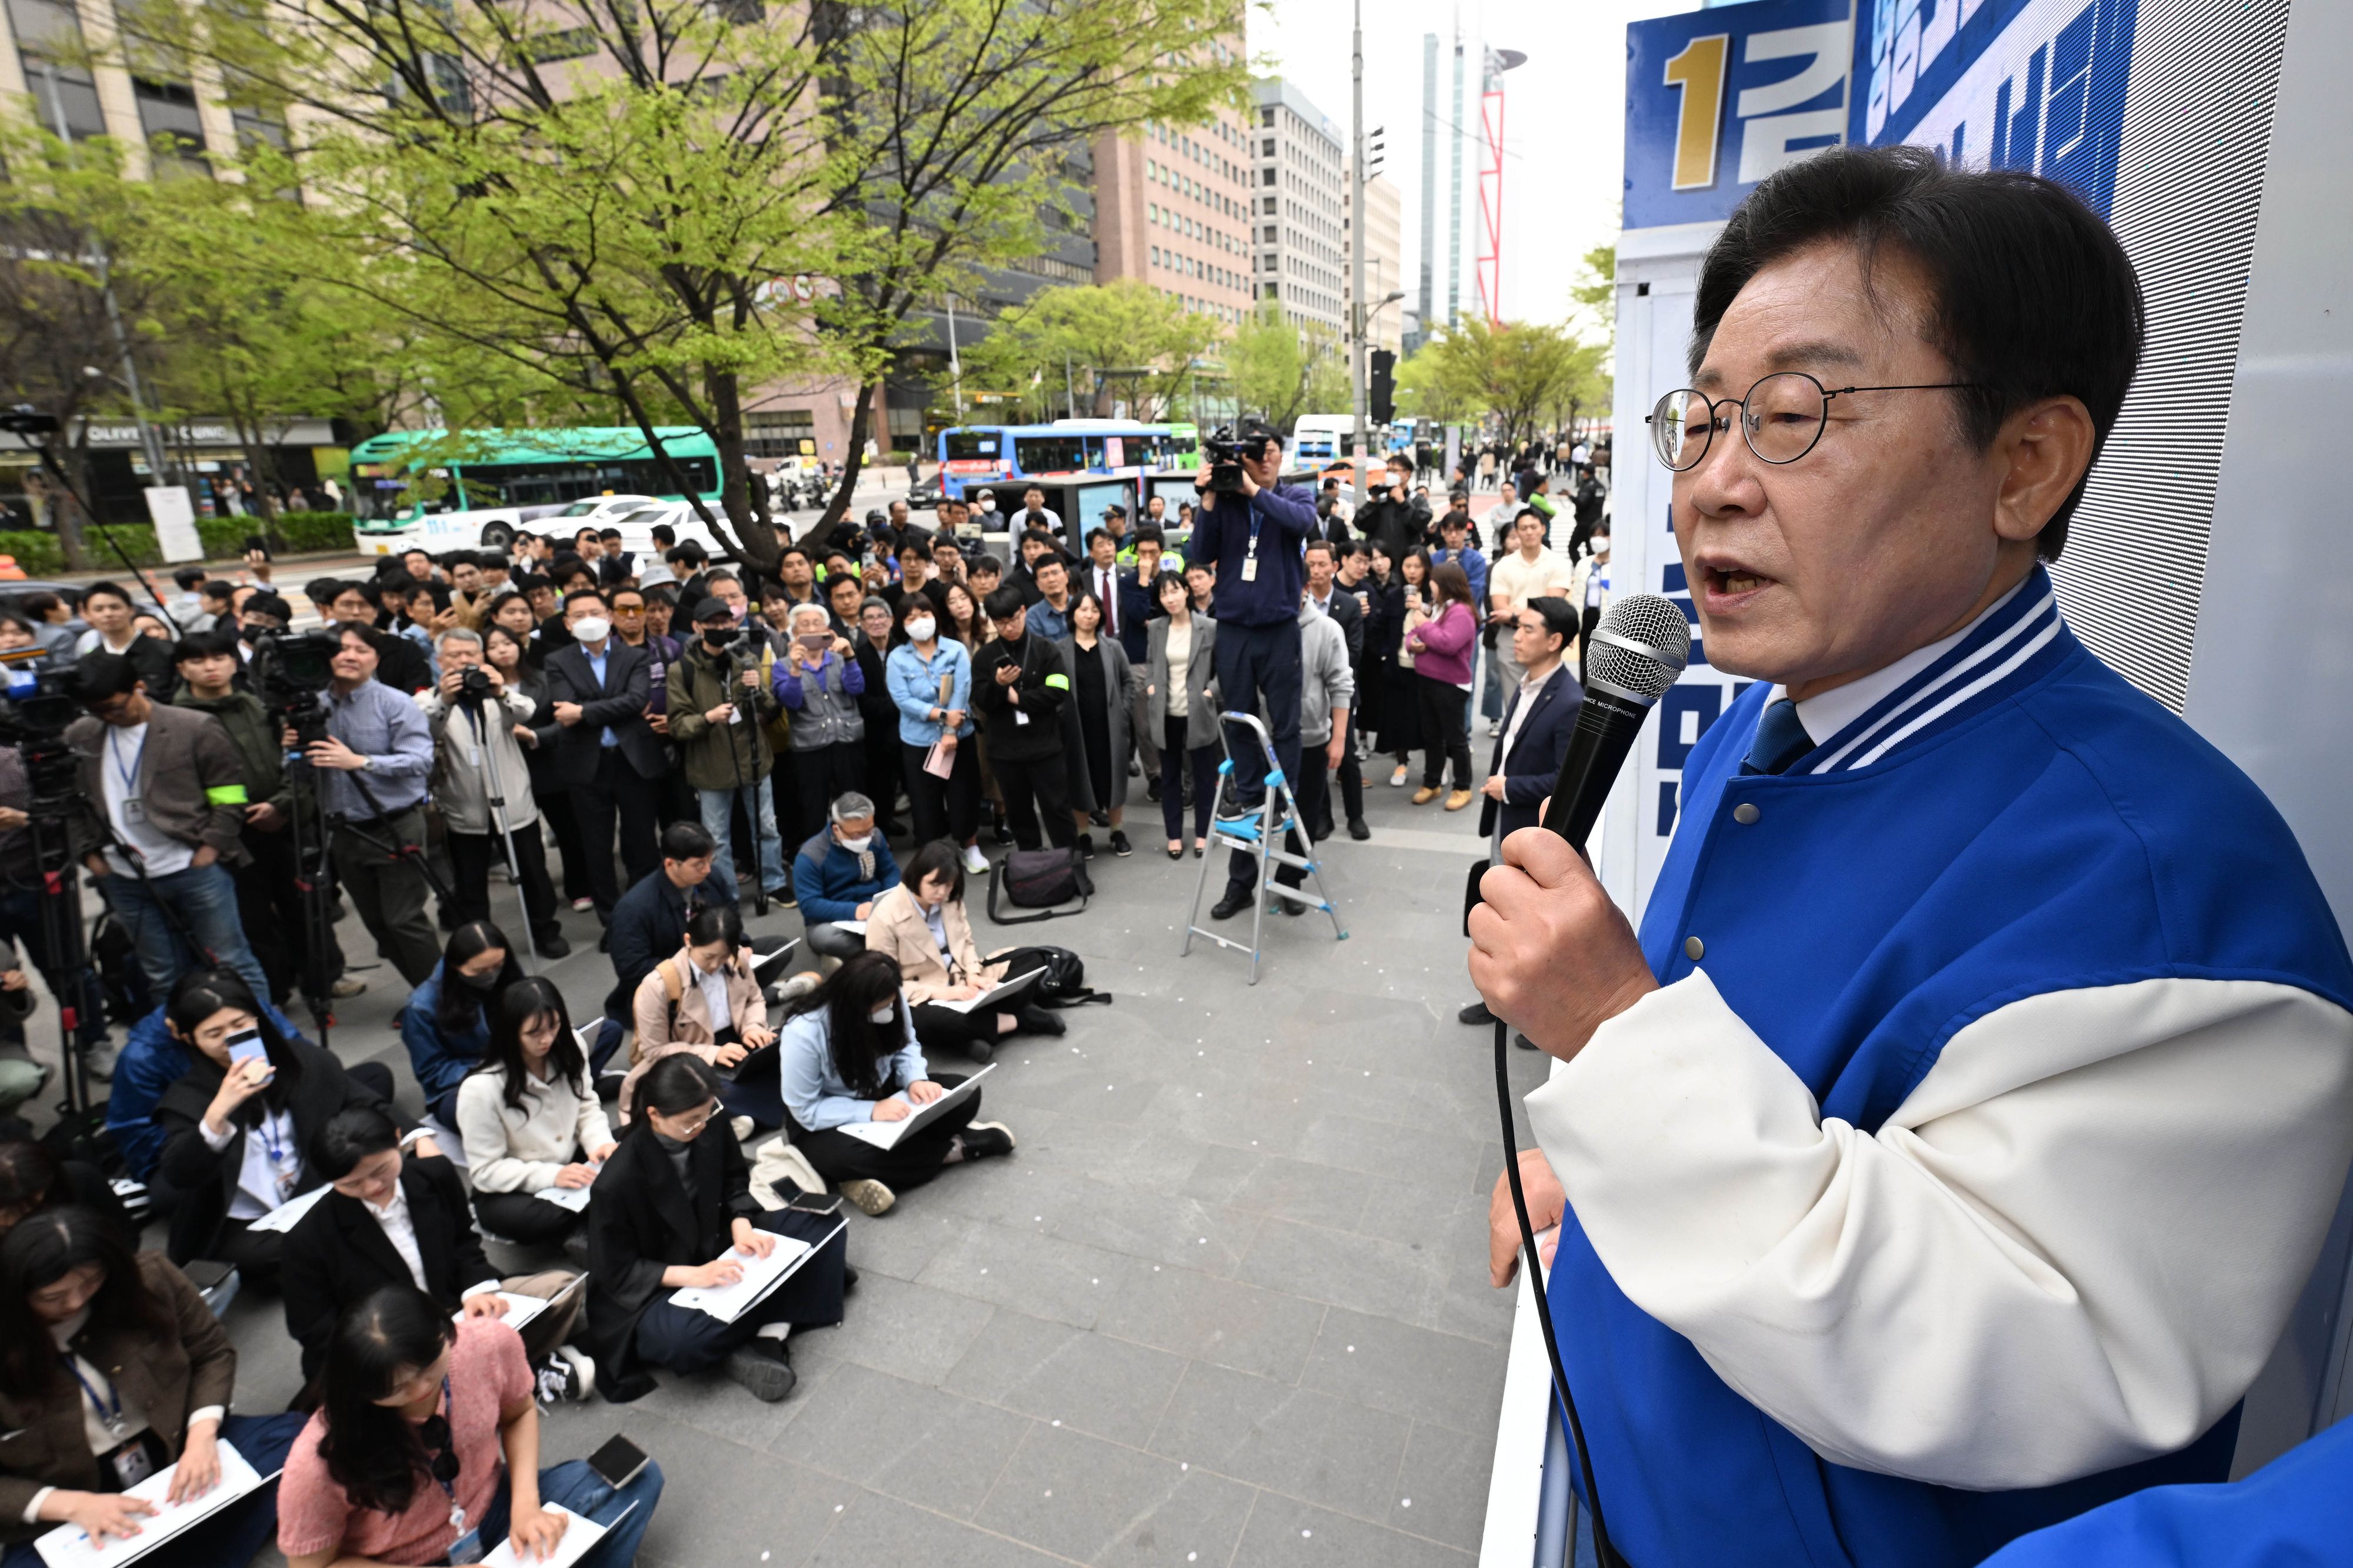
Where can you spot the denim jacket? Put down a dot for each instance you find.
(915, 683)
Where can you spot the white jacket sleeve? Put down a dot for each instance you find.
(2072, 1247)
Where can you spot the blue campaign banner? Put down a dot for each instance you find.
(2037, 85)
(1717, 99)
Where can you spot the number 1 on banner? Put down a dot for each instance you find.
(1699, 72)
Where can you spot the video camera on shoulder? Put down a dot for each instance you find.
(1225, 461)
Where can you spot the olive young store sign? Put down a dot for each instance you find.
(2206, 563)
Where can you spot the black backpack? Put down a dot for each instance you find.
(1064, 983)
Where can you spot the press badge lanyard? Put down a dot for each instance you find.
(468, 1547)
(109, 1410)
(278, 1172)
(133, 809)
(1249, 562)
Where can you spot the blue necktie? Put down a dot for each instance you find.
(1780, 740)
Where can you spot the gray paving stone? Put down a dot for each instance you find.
(1415, 1372)
(907, 1440)
(1031, 1272)
(1093, 1502)
(1221, 1322)
(1289, 1439)
(883, 1532)
(1373, 1274)
(909, 1331)
(1089, 1383)
(1285, 1532)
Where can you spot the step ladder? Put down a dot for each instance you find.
(1262, 834)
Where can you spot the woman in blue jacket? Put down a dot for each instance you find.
(930, 676)
(447, 1024)
(847, 1057)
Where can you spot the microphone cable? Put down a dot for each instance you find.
(1633, 657)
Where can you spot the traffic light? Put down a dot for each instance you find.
(1380, 386)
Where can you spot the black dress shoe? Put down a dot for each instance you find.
(1525, 1044)
(1475, 1014)
(1236, 900)
(1358, 830)
(1037, 1020)
(1321, 830)
(555, 947)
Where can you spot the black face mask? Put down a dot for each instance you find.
(722, 636)
(249, 633)
(485, 981)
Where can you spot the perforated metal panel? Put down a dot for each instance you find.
(2189, 187)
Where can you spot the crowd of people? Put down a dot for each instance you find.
(693, 741)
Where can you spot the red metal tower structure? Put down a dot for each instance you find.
(1490, 180)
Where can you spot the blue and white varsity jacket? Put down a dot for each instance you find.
(1963, 1173)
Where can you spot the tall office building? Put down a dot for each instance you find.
(1303, 182)
(1173, 209)
(1384, 259)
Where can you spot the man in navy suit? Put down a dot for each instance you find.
(606, 756)
(1537, 719)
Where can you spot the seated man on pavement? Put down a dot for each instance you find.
(838, 874)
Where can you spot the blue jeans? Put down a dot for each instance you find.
(584, 1491)
(239, 1530)
(202, 900)
(718, 816)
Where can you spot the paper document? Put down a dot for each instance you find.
(520, 1310)
(573, 1198)
(1005, 994)
(68, 1547)
(886, 1134)
(761, 1275)
(768, 965)
(857, 926)
(288, 1215)
(579, 1536)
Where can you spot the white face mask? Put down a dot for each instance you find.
(592, 629)
(883, 1015)
(858, 845)
(922, 628)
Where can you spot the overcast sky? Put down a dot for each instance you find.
(1562, 124)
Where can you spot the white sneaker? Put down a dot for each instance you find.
(584, 1368)
(974, 862)
(741, 1126)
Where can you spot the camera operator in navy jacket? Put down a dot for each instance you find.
(1253, 537)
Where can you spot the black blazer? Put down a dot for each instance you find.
(1351, 616)
(338, 1255)
(619, 702)
(640, 1221)
(205, 1182)
(1137, 610)
(1534, 766)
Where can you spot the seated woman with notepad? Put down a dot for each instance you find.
(113, 1370)
(706, 999)
(922, 924)
(850, 1059)
(426, 1450)
(672, 1212)
(532, 1123)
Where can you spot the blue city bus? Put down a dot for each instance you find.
(1000, 457)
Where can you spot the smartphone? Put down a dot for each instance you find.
(616, 1464)
(246, 1048)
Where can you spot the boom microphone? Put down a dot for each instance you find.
(1631, 660)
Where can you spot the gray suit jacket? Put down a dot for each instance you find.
(1200, 673)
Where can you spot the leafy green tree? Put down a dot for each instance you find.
(1595, 292)
(1284, 371)
(1512, 374)
(1101, 334)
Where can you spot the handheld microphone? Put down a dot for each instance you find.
(1632, 658)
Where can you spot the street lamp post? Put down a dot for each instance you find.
(1357, 315)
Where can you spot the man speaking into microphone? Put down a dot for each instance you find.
(1945, 1154)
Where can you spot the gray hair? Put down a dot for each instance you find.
(851, 806)
(458, 634)
(792, 616)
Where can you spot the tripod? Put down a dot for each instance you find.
(65, 965)
(495, 794)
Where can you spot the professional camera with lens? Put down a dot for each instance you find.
(40, 703)
(1225, 460)
(289, 669)
(474, 685)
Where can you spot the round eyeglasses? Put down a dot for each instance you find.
(1782, 418)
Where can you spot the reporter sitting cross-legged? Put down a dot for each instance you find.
(838, 874)
(706, 999)
(112, 1367)
(921, 924)
(446, 1024)
(426, 1450)
(673, 1208)
(531, 1119)
(235, 1132)
(393, 1221)
(850, 1056)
